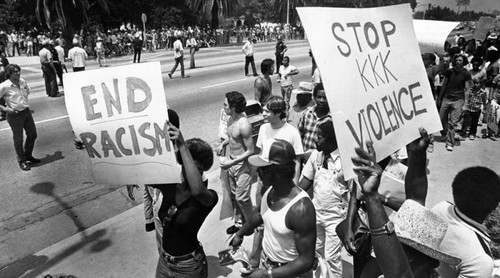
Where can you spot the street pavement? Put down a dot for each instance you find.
(120, 247)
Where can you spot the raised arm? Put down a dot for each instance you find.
(192, 173)
(416, 176)
(390, 254)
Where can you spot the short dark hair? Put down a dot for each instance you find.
(466, 60)
(10, 69)
(476, 191)
(201, 151)
(328, 131)
(286, 57)
(236, 100)
(277, 105)
(317, 88)
(477, 59)
(265, 66)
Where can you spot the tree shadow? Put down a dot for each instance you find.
(33, 266)
(49, 158)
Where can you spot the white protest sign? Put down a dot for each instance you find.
(374, 77)
(432, 34)
(492, 116)
(120, 114)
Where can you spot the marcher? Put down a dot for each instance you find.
(178, 56)
(4, 62)
(49, 71)
(184, 208)
(193, 47)
(100, 52)
(280, 52)
(477, 99)
(137, 45)
(285, 78)
(308, 124)
(323, 170)
(249, 52)
(304, 101)
(78, 56)
(59, 61)
(241, 146)
(14, 91)
(262, 85)
(287, 213)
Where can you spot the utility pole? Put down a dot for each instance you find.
(287, 12)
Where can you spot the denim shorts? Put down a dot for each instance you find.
(194, 267)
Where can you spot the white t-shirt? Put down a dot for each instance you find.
(78, 55)
(461, 240)
(286, 132)
(178, 49)
(288, 80)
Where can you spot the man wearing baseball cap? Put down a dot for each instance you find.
(288, 215)
(303, 101)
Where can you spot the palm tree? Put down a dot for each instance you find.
(213, 8)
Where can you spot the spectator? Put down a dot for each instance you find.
(249, 52)
(78, 56)
(262, 85)
(179, 57)
(285, 77)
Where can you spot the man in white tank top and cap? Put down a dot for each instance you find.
(287, 213)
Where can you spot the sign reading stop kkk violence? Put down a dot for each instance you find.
(374, 77)
(120, 114)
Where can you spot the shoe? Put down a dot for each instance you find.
(472, 137)
(170, 75)
(485, 136)
(459, 138)
(232, 230)
(255, 75)
(24, 166)
(33, 160)
(247, 269)
(449, 148)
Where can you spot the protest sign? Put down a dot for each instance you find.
(492, 116)
(374, 77)
(483, 27)
(432, 34)
(120, 114)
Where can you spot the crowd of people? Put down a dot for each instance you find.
(302, 194)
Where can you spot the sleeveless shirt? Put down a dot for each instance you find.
(279, 241)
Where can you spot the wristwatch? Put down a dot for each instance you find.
(387, 229)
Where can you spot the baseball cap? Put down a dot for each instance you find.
(274, 151)
(493, 36)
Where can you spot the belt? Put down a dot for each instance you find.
(274, 264)
(174, 259)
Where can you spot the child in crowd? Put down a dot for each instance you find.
(477, 99)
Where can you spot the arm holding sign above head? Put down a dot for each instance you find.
(416, 176)
(192, 169)
(390, 254)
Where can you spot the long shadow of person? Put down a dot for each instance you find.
(49, 158)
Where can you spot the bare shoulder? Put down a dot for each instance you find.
(301, 215)
(244, 126)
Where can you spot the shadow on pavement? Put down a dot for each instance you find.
(49, 158)
(47, 188)
(33, 266)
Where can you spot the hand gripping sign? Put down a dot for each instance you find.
(120, 114)
(374, 77)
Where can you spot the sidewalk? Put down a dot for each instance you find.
(120, 247)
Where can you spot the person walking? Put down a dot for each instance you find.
(48, 69)
(100, 52)
(14, 91)
(193, 47)
(248, 51)
(78, 56)
(137, 45)
(280, 53)
(178, 56)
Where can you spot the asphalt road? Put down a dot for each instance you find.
(58, 197)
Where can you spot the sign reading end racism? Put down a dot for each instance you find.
(374, 77)
(120, 114)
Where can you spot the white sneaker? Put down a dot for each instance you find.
(472, 137)
(449, 148)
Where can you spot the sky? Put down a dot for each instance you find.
(476, 5)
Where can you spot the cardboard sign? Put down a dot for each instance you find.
(492, 117)
(432, 34)
(120, 114)
(374, 77)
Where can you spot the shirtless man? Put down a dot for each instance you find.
(241, 146)
(262, 85)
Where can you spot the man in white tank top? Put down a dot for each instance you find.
(287, 213)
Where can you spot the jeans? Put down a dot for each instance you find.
(450, 114)
(471, 119)
(279, 62)
(196, 267)
(192, 51)
(18, 122)
(50, 81)
(137, 54)
(240, 182)
(250, 60)
(179, 60)
(286, 93)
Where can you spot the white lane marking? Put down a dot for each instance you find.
(41, 122)
(223, 83)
